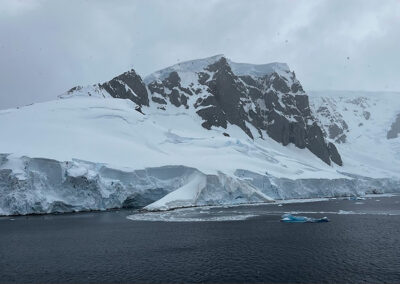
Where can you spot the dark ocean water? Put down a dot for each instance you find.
(109, 248)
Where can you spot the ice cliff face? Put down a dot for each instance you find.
(266, 97)
(49, 186)
(38, 185)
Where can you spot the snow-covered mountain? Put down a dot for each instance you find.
(266, 98)
(363, 125)
(202, 132)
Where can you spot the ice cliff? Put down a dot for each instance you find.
(38, 185)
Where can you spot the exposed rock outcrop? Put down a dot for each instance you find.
(263, 100)
(394, 129)
(128, 85)
(273, 103)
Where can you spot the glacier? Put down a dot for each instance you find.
(88, 150)
(39, 185)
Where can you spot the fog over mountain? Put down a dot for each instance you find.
(48, 46)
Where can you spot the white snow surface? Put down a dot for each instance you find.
(91, 91)
(182, 197)
(369, 116)
(258, 70)
(239, 69)
(111, 132)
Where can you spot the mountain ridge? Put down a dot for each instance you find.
(266, 96)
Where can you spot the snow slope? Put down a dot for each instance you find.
(365, 118)
(110, 131)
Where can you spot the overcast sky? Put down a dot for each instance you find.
(47, 47)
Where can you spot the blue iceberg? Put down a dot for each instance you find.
(289, 218)
(356, 198)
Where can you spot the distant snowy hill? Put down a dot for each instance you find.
(363, 125)
(202, 132)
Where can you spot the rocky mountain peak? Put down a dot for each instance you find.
(263, 100)
(128, 85)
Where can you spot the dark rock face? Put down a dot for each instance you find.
(128, 85)
(334, 154)
(274, 104)
(317, 145)
(177, 94)
(337, 126)
(394, 129)
(226, 104)
(158, 100)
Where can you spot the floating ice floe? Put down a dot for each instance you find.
(289, 218)
(189, 215)
(356, 198)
